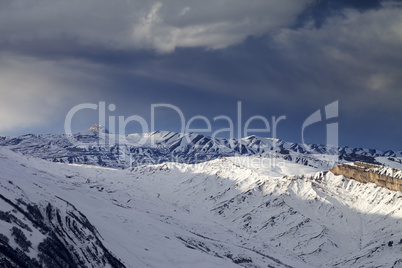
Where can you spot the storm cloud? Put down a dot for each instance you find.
(277, 57)
(145, 24)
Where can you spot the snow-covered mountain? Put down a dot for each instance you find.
(161, 146)
(249, 211)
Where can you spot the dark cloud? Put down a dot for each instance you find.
(204, 64)
(320, 10)
(130, 25)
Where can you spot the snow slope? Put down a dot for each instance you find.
(228, 212)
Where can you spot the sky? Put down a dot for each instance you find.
(272, 58)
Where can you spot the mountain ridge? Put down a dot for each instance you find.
(164, 146)
(219, 213)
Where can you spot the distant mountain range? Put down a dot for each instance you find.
(162, 146)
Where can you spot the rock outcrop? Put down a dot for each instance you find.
(363, 172)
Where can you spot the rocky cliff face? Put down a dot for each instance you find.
(43, 235)
(363, 172)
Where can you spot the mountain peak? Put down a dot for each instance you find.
(97, 128)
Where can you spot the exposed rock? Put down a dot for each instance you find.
(363, 172)
(97, 128)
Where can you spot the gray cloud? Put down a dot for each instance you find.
(145, 24)
(36, 92)
(351, 54)
(56, 54)
(212, 24)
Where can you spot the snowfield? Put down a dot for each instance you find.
(250, 211)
